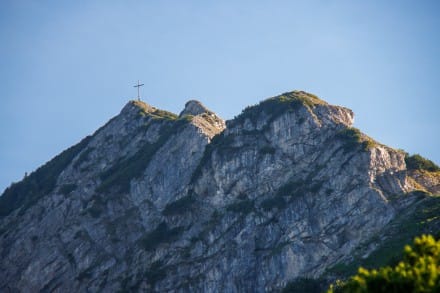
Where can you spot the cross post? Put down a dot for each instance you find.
(138, 86)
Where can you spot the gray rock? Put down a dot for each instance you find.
(156, 202)
(194, 108)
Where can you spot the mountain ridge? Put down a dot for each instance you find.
(159, 201)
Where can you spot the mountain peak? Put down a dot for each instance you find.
(304, 104)
(134, 106)
(194, 107)
(152, 200)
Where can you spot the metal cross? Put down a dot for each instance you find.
(138, 86)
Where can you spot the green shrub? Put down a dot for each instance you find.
(67, 188)
(179, 206)
(155, 273)
(39, 183)
(215, 217)
(188, 117)
(86, 274)
(242, 206)
(316, 186)
(418, 272)
(273, 202)
(162, 234)
(220, 141)
(291, 188)
(267, 150)
(299, 187)
(162, 114)
(121, 173)
(84, 156)
(352, 140)
(417, 162)
(223, 140)
(287, 102)
(95, 210)
(304, 285)
(343, 269)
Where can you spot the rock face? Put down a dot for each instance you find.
(153, 201)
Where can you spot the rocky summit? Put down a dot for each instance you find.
(157, 202)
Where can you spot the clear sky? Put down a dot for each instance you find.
(66, 67)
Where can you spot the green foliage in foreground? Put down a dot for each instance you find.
(418, 272)
(417, 162)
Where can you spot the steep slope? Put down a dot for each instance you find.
(80, 230)
(158, 202)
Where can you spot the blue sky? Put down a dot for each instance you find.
(66, 67)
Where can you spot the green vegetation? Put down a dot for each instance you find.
(304, 285)
(295, 188)
(287, 102)
(219, 141)
(424, 219)
(145, 110)
(67, 188)
(222, 140)
(39, 183)
(179, 206)
(86, 274)
(273, 202)
(162, 234)
(96, 209)
(162, 114)
(188, 117)
(210, 117)
(242, 206)
(84, 156)
(292, 188)
(343, 269)
(267, 150)
(316, 186)
(353, 139)
(421, 217)
(417, 162)
(111, 230)
(215, 217)
(155, 273)
(121, 173)
(142, 106)
(418, 272)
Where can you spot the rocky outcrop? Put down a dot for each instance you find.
(194, 108)
(153, 201)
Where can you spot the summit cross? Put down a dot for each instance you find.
(138, 86)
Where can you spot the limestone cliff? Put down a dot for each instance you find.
(153, 201)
